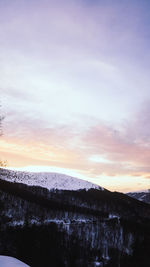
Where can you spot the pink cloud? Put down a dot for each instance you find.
(68, 146)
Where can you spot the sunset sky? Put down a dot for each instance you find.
(75, 89)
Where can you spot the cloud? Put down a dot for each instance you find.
(127, 146)
(119, 148)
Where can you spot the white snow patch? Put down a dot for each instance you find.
(141, 198)
(112, 216)
(98, 263)
(16, 223)
(6, 261)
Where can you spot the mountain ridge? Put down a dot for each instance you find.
(49, 180)
(143, 196)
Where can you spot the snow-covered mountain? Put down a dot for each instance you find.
(6, 261)
(47, 180)
(141, 195)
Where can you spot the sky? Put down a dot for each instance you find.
(74, 89)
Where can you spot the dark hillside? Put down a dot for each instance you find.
(73, 228)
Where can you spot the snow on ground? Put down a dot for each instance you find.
(113, 216)
(98, 263)
(47, 180)
(6, 261)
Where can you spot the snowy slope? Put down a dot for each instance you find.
(6, 261)
(141, 195)
(47, 180)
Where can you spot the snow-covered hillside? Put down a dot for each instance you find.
(47, 180)
(141, 195)
(6, 261)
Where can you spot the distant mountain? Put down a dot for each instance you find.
(141, 195)
(6, 261)
(71, 228)
(47, 180)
